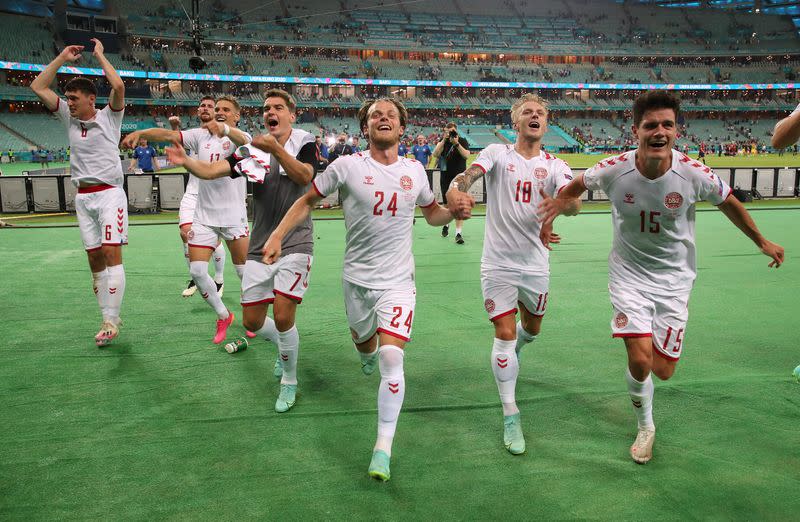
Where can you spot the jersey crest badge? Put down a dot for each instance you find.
(539, 173)
(489, 305)
(621, 320)
(406, 183)
(673, 200)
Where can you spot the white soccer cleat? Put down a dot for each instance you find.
(642, 447)
(190, 290)
(108, 331)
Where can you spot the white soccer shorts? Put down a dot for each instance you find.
(204, 236)
(504, 287)
(383, 311)
(288, 277)
(186, 212)
(638, 313)
(102, 216)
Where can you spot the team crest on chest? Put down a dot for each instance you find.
(406, 183)
(539, 173)
(226, 145)
(673, 200)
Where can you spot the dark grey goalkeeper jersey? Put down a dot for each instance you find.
(273, 198)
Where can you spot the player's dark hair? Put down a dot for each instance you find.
(363, 112)
(207, 97)
(652, 101)
(81, 84)
(280, 93)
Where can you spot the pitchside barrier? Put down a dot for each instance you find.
(149, 193)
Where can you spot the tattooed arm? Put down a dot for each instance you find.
(459, 201)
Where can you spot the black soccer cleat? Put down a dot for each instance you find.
(459, 239)
(445, 231)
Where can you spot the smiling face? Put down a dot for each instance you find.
(383, 125)
(205, 111)
(225, 112)
(656, 135)
(278, 118)
(530, 121)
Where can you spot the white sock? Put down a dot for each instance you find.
(642, 398)
(199, 271)
(505, 367)
(523, 337)
(186, 255)
(219, 264)
(269, 331)
(116, 291)
(458, 229)
(391, 392)
(289, 347)
(239, 271)
(100, 287)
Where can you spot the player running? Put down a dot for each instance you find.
(96, 169)
(379, 193)
(652, 266)
(287, 168)
(515, 267)
(205, 113)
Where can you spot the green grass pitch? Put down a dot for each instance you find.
(165, 425)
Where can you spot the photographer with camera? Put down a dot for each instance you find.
(454, 151)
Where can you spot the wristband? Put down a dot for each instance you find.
(226, 130)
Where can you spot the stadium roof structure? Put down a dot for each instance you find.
(776, 7)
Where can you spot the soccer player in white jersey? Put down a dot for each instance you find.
(205, 113)
(515, 267)
(787, 131)
(652, 266)
(220, 213)
(290, 158)
(96, 169)
(379, 193)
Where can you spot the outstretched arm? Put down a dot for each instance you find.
(740, 217)
(294, 216)
(202, 169)
(787, 131)
(116, 99)
(437, 215)
(154, 134)
(41, 85)
(297, 171)
(220, 130)
(568, 201)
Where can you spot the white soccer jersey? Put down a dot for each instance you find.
(94, 144)
(511, 238)
(220, 202)
(378, 203)
(654, 220)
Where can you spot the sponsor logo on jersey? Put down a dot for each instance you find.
(568, 176)
(539, 173)
(489, 305)
(628, 197)
(621, 320)
(673, 200)
(406, 183)
(511, 168)
(369, 180)
(719, 183)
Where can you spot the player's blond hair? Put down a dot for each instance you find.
(525, 98)
(230, 99)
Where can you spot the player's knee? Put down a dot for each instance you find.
(284, 321)
(532, 326)
(505, 333)
(198, 269)
(664, 372)
(641, 361)
(253, 324)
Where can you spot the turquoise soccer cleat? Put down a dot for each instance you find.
(368, 366)
(286, 399)
(277, 370)
(379, 466)
(512, 434)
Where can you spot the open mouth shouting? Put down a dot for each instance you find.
(657, 143)
(272, 123)
(534, 124)
(220, 118)
(384, 127)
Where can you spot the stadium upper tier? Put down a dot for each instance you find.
(568, 27)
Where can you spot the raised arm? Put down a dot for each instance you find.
(740, 217)
(297, 171)
(294, 216)
(202, 169)
(787, 131)
(41, 84)
(116, 99)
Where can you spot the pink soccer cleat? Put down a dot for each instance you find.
(251, 335)
(222, 328)
(108, 331)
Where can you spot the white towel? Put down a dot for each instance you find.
(252, 162)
